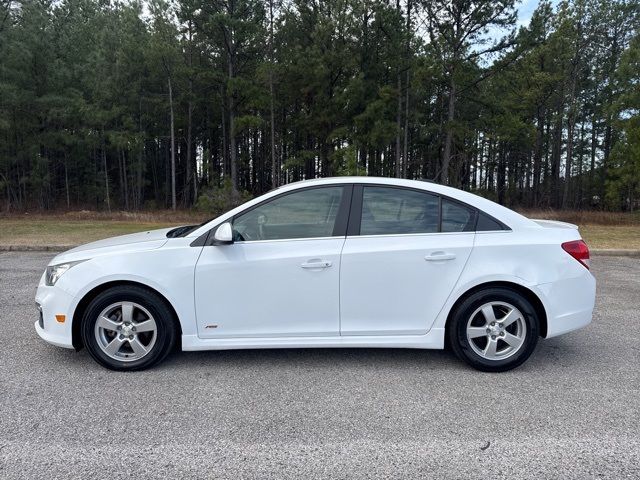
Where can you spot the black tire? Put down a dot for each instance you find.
(166, 326)
(460, 317)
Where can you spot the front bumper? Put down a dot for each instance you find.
(54, 301)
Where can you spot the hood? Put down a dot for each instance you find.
(148, 240)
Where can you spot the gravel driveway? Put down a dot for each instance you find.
(572, 411)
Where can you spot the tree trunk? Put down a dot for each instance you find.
(570, 128)
(408, 34)
(106, 172)
(173, 148)
(398, 127)
(537, 155)
(446, 156)
(138, 192)
(190, 164)
(555, 158)
(568, 161)
(223, 160)
(126, 182)
(192, 169)
(274, 167)
(232, 145)
(66, 179)
(580, 167)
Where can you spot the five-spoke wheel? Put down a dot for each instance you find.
(126, 331)
(494, 329)
(128, 328)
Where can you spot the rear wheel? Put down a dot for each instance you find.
(494, 330)
(128, 328)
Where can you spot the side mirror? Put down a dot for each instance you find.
(223, 234)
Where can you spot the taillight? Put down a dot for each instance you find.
(578, 250)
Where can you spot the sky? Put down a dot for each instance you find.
(525, 10)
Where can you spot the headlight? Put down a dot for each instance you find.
(54, 272)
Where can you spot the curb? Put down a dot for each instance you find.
(612, 252)
(35, 248)
(605, 252)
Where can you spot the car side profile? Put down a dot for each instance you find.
(337, 262)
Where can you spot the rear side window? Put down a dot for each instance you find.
(456, 217)
(398, 211)
(388, 211)
(488, 224)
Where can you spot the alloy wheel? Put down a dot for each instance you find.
(496, 330)
(126, 331)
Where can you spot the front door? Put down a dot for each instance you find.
(400, 266)
(280, 277)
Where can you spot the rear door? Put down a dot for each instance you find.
(404, 253)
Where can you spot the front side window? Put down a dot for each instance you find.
(307, 213)
(387, 211)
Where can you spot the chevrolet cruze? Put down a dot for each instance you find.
(341, 262)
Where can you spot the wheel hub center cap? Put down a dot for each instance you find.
(126, 330)
(495, 329)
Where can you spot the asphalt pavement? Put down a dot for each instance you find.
(571, 411)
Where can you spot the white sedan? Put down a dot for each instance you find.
(340, 262)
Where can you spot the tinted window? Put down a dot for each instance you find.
(397, 211)
(456, 217)
(305, 214)
(487, 224)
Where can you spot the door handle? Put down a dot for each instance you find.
(440, 256)
(316, 264)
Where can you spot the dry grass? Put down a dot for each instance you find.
(599, 229)
(156, 216)
(625, 237)
(73, 228)
(586, 217)
(617, 230)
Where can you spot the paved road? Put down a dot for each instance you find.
(572, 411)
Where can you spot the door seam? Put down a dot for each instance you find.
(340, 288)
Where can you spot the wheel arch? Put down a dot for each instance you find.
(81, 307)
(529, 294)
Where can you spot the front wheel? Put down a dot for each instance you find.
(128, 328)
(494, 330)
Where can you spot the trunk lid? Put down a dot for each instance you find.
(555, 224)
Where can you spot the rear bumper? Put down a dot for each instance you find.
(54, 301)
(569, 303)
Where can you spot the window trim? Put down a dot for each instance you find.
(339, 228)
(355, 214)
(350, 214)
(471, 224)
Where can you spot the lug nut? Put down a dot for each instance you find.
(488, 330)
(130, 337)
(493, 337)
(502, 334)
(493, 324)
